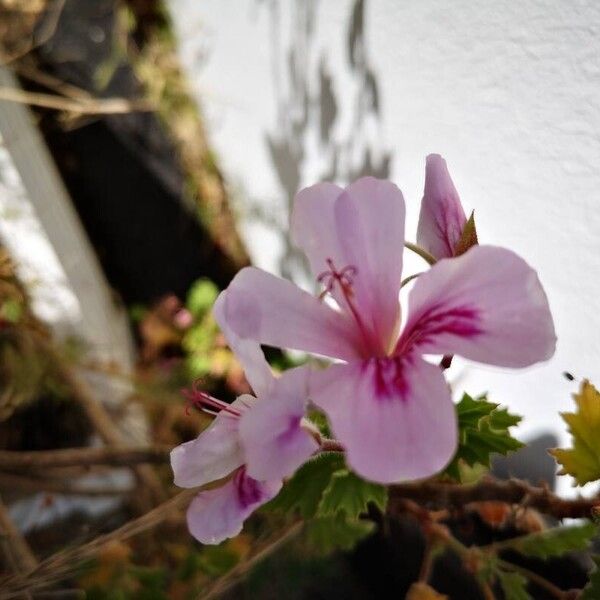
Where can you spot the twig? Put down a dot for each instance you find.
(82, 457)
(15, 544)
(53, 83)
(24, 483)
(94, 106)
(513, 491)
(104, 425)
(231, 578)
(61, 564)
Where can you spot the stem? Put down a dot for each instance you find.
(430, 259)
(409, 279)
(446, 361)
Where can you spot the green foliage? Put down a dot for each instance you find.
(319, 420)
(201, 297)
(556, 541)
(592, 590)
(331, 499)
(199, 341)
(483, 431)
(582, 461)
(304, 491)
(350, 495)
(514, 585)
(217, 560)
(12, 310)
(327, 534)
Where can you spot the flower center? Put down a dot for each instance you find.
(388, 377)
(206, 403)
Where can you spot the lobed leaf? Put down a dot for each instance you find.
(328, 534)
(582, 461)
(349, 494)
(483, 431)
(556, 541)
(303, 492)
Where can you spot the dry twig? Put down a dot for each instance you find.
(83, 106)
(82, 457)
(513, 491)
(16, 549)
(60, 565)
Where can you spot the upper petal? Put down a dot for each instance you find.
(487, 305)
(249, 353)
(313, 226)
(217, 514)
(274, 442)
(395, 416)
(273, 311)
(369, 217)
(442, 218)
(215, 453)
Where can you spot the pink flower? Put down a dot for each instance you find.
(442, 218)
(390, 408)
(236, 444)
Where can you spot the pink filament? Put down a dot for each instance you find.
(205, 402)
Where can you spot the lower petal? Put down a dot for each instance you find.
(394, 416)
(217, 514)
(274, 442)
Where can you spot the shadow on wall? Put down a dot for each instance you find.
(346, 150)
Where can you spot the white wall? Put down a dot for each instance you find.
(508, 92)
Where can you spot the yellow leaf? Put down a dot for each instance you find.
(421, 591)
(582, 461)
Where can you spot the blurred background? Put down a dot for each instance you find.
(149, 150)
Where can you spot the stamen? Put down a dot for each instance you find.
(345, 279)
(205, 402)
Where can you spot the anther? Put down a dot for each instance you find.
(205, 402)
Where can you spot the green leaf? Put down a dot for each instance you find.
(303, 492)
(582, 461)
(349, 494)
(514, 585)
(592, 590)
(556, 541)
(483, 431)
(11, 310)
(201, 297)
(217, 560)
(327, 534)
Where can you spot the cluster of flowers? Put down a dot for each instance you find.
(390, 409)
